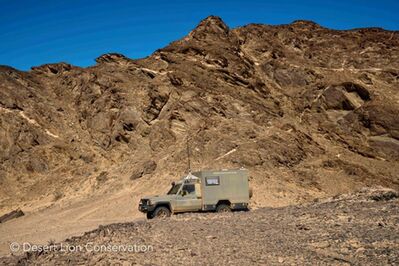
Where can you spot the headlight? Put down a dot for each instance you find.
(145, 202)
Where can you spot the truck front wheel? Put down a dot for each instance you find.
(150, 215)
(223, 208)
(161, 212)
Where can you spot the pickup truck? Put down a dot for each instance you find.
(208, 190)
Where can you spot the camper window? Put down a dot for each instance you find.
(212, 181)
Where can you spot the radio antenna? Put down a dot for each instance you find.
(188, 154)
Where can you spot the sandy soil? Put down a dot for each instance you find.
(61, 221)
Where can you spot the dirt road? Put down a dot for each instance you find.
(69, 219)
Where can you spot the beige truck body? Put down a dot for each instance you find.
(203, 191)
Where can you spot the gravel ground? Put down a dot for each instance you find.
(353, 229)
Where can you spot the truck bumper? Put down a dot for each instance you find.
(239, 206)
(146, 208)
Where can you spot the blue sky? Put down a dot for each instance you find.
(77, 31)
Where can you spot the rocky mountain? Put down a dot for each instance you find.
(308, 110)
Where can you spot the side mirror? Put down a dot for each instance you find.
(184, 193)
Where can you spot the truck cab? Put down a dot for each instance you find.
(209, 190)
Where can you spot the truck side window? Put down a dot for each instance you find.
(212, 181)
(189, 188)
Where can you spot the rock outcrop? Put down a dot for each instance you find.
(279, 100)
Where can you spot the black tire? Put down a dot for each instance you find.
(161, 212)
(150, 215)
(223, 208)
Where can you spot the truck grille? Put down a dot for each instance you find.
(144, 202)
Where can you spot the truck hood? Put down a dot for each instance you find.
(158, 198)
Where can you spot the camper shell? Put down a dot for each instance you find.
(225, 185)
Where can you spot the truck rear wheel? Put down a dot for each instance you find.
(161, 212)
(223, 208)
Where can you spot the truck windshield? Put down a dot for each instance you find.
(174, 189)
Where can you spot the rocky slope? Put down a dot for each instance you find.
(353, 229)
(308, 110)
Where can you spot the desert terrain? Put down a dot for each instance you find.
(352, 229)
(311, 112)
